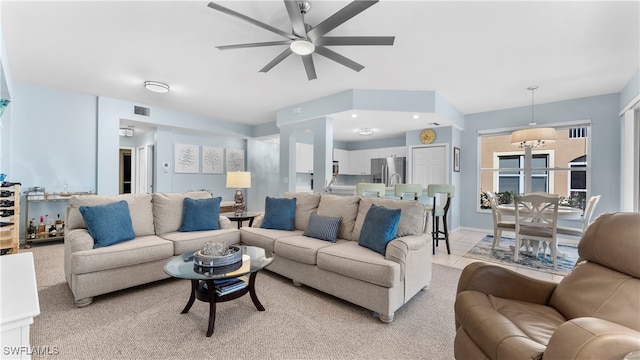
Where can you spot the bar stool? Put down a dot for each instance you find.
(402, 190)
(440, 212)
(364, 189)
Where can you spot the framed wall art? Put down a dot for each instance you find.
(456, 159)
(235, 160)
(212, 160)
(187, 158)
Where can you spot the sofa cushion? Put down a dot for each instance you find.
(140, 250)
(108, 224)
(323, 227)
(140, 209)
(302, 249)
(168, 208)
(279, 213)
(306, 204)
(264, 238)
(519, 330)
(380, 226)
(350, 259)
(189, 242)
(412, 217)
(345, 207)
(200, 214)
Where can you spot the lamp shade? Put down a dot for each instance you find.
(239, 179)
(533, 137)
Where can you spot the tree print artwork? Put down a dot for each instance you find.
(186, 158)
(235, 160)
(212, 160)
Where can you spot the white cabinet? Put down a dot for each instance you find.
(360, 161)
(342, 157)
(397, 151)
(304, 158)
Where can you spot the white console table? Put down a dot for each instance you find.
(19, 304)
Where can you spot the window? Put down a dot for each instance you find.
(576, 133)
(560, 167)
(512, 180)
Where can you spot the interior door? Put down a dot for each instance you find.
(429, 165)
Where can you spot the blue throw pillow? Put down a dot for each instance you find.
(201, 214)
(279, 213)
(380, 226)
(323, 227)
(108, 224)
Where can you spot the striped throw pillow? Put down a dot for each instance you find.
(323, 227)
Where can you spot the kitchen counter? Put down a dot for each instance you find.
(351, 190)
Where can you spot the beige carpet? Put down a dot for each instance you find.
(299, 322)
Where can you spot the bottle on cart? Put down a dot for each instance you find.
(32, 230)
(41, 227)
(58, 223)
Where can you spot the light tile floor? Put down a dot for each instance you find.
(462, 241)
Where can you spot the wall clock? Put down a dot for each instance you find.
(427, 136)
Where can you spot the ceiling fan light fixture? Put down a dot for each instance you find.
(302, 47)
(365, 131)
(156, 86)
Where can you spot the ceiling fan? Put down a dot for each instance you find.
(305, 40)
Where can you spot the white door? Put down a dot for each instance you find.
(141, 171)
(429, 165)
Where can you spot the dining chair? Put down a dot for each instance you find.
(498, 223)
(586, 219)
(366, 189)
(536, 220)
(404, 190)
(440, 212)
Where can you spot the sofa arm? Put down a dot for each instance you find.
(225, 223)
(78, 240)
(592, 338)
(504, 283)
(398, 248)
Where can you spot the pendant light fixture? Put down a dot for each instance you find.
(533, 137)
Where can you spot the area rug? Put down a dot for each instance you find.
(567, 256)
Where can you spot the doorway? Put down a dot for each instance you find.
(125, 177)
(429, 165)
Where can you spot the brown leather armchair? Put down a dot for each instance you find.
(593, 313)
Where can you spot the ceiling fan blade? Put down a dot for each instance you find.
(307, 60)
(330, 54)
(251, 20)
(354, 40)
(297, 21)
(250, 45)
(337, 19)
(277, 60)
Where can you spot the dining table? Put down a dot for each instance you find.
(564, 212)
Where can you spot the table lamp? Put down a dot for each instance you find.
(239, 180)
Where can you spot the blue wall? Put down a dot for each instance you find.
(604, 157)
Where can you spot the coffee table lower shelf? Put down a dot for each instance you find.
(209, 295)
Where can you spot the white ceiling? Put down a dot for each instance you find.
(480, 56)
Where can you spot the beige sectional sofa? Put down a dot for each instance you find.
(345, 269)
(156, 219)
(381, 283)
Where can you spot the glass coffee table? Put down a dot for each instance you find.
(218, 284)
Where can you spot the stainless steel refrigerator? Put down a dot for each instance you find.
(389, 171)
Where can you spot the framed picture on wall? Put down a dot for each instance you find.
(456, 159)
(212, 160)
(187, 158)
(235, 160)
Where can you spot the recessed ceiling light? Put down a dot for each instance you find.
(354, 115)
(156, 86)
(416, 116)
(365, 131)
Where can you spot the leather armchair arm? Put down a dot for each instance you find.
(592, 338)
(504, 283)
